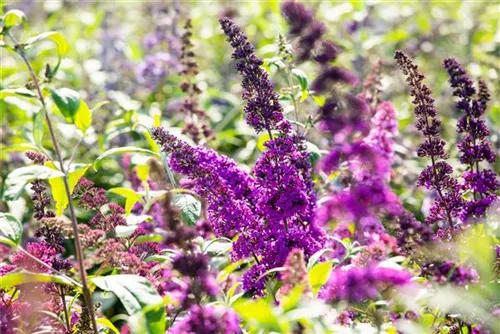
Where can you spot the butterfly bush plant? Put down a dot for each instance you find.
(311, 236)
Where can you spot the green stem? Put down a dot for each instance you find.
(74, 223)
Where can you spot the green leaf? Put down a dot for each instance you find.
(320, 100)
(83, 117)
(137, 296)
(58, 188)
(148, 321)
(301, 78)
(38, 126)
(17, 179)
(20, 147)
(8, 242)
(99, 105)
(18, 278)
(217, 247)
(15, 92)
(261, 141)
(120, 150)
(125, 231)
(314, 152)
(190, 207)
(131, 197)
(259, 314)
(316, 256)
(11, 228)
(68, 101)
(13, 18)
(56, 37)
(292, 299)
(108, 324)
(319, 274)
(142, 172)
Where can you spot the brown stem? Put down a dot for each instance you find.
(66, 315)
(74, 223)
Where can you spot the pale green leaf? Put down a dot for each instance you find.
(83, 117)
(108, 324)
(137, 296)
(13, 17)
(319, 274)
(18, 278)
(11, 228)
(58, 188)
(17, 179)
(125, 149)
(56, 37)
(131, 197)
(38, 127)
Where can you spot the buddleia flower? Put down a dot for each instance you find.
(474, 146)
(438, 176)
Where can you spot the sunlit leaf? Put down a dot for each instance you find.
(259, 314)
(137, 296)
(125, 149)
(16, 92)
(58, 188)
(56, 37)
(83, 117)
(38, 127)
(18, 278)
(11, 228)
(13, 18)
(108, 324)
(18, 178)
(131, 197)
(318, 275)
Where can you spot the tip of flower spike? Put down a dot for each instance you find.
(399, 54)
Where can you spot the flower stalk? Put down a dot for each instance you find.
(74, 223)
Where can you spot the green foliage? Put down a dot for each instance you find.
(18, 278)
(318, 275)
(139, 298)
(13, 18)
(18, 178)
(11, 229)
(189, 206)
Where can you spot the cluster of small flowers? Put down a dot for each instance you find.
(263, 110)
(208, 319)
(197, 126)
(99, 233)
(40, 199)
(437, 176)
(474, 145)
(272, 213)
(18, 309)
(474, 148)
(308, 33)
(363, 129)
(164, 19)
(448, 271)
(366, 147)
(357, 284)
(157, 66)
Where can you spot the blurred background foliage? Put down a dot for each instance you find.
(111, 42)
